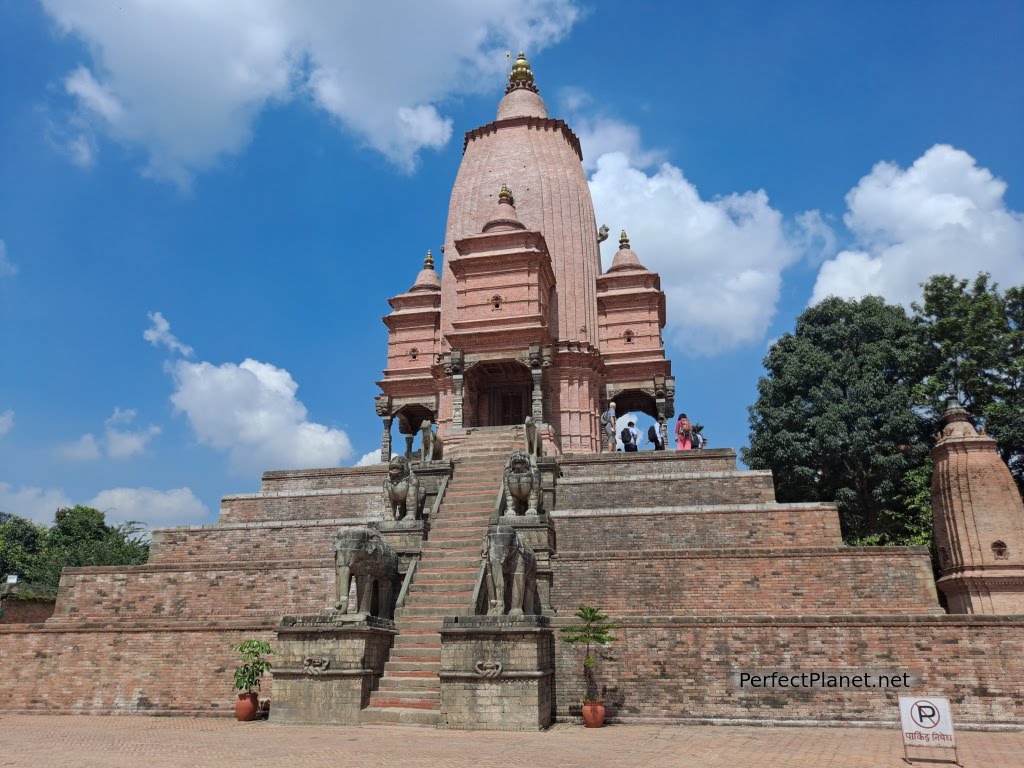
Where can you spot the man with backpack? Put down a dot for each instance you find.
(629, 437)
(654, 437)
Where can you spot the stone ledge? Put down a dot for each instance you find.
(647, 456)
(299, 494)
(649, 476)
(662, 621)
(257, 564)
(503, 676)
(700, 553)
(256, 624)
(698, 509)
(264, 524)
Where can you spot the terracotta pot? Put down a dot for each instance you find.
(593, 714)
(247, 706)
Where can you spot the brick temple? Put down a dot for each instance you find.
(513, 351)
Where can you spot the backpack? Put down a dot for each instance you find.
(627, 436)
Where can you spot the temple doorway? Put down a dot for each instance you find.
(499, 393)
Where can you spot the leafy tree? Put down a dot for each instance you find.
(976, 352)
(80, 536)
(835, 416)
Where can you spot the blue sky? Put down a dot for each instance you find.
(203, 207)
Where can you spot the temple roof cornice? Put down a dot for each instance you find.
(545, 123)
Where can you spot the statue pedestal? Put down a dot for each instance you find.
(326, 666)
(497, 673)
(539, 533)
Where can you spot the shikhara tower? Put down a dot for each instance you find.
(523, 322)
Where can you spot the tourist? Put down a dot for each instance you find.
(684, 433)
(654, 437)
(630, 437)
(608, 425)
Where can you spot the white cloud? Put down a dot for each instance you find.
(250, 412)
(37, 504)
(6, 421)
(121, 442)
(187, 80)
(369, 459)
(604, 135)
(944, 214)
(720, 260)
(7, 267)
(178, 506)
(84, 448)
(160, 333)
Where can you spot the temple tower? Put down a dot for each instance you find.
(979, 521)
(526, 323)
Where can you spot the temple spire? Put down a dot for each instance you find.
(505, 195)
(521, 76)
(623, 241)
(428, 262)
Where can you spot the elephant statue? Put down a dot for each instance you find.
(401, 490)
(511, 572)
(363, 554)
(431, 444)
(522, 485)
(534, 449)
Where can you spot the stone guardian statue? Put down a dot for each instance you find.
(511, 572)
(522, 485)
(431, 445)
(363, 554)
(402, 490)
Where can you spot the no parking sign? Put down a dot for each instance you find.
(926, 722)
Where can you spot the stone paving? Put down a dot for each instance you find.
(45, 741)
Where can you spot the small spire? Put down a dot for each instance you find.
(521, 75)
(623, 241)
(428, 262)
(505, 196)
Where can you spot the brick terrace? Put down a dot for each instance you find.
(40, 741)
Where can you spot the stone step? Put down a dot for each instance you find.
(445, 558)
(417, 651)
(426, 665)
(405, 700)
(433, 610)
(410, 686)
(438, 598)
(427, 671)
(462, 543)
(399, 716)
(464, 587)
(448, 574)
(418, 645)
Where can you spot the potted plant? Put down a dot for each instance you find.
(593, 632)
(247, 677)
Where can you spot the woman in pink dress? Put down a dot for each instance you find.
(684, 439)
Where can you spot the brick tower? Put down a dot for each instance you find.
(979, 521)
(524, 323)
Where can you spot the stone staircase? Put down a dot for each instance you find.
(409, 692)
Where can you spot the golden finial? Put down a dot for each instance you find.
(505, 195)
(428, 262)
(623, 241)
(521, 70)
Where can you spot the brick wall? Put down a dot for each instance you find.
(324, 479)
(768, 525)
(26, 611)
(298, 540)
(682, 669)
(634, 489)
(124, 670)
(308, 505)
(183, 592)
(834, 580)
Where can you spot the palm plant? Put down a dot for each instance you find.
(593, 633)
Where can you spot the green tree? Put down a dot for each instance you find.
(80, 536)
(976, 352)
(835, 417)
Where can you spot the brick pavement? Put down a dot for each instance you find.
(44, 741)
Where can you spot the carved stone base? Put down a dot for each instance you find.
(326, 667)
(497, 673)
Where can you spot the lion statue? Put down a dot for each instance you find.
(511, 577)
(402, 490)
(522, 485)
(431, 445)
(363, 554)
